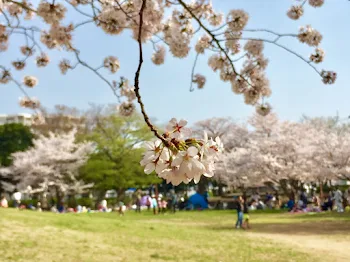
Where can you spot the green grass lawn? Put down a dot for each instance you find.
(186, 236)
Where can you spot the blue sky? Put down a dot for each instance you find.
(297, 89)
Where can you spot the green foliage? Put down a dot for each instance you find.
(85, 201)
(115, 165)
(13, 138)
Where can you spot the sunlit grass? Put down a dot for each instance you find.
(185, 236)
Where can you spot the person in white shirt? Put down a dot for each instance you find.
(256, 197)
(17, 196)
(104, 205)
(338, 198)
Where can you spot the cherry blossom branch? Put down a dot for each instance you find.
(213, 39)
(136, 80)
(31, 37)
(83, 63)
(239, 58)
(274, 42)
(208, 31)
(16, 83)
(24, 6)
(269, 31)
(83, 23)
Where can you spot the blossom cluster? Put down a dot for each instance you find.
(127, 107)
(297, 11)
(180, 158)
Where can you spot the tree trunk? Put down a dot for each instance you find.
(295, 187)
(202, 185)
(100, 197)
(120, 193)
(156, 190)
(220, 191)
(59, 198)
(321, 191)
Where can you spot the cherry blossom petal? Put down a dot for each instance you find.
(149, 168)
(182, 123)
(192, 151)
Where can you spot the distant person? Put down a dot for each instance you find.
(164, 205)
(4, 202)
(246, 223)
(173, 201)
(303, 197)
(159, 203)
(316, 201)
(60, 207)
(338, 199)
(268, 200)
(104, 205)
(138, 202)
(122, 208)
(328, 204)
(79, 209)
(148, 202)
(347, 197)
(290, 204)
(154, 204)
(277, 200)
(38, 207)
(256, 197)
(239, 209)
(17, 196)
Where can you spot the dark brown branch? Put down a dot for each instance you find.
(137, 77)
(24, 6)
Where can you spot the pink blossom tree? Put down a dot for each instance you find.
(52, 163)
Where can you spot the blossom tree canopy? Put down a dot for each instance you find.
(52, 161)
(288, 154)
(234, 51)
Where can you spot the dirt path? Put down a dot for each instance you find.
(326, 247)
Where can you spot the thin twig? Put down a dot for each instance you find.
(137, 76)
(16, 83)
(269, 31)
(209, 32)
(239, 58)
(83, 23)
(274, 42)
(192, 73)
(215, 40)
(83, 63)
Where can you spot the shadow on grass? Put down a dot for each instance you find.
(303, 228)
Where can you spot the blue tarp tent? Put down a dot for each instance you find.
(197, 201)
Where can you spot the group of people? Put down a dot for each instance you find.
(158, 204)
(333, 200)
(17, 196)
